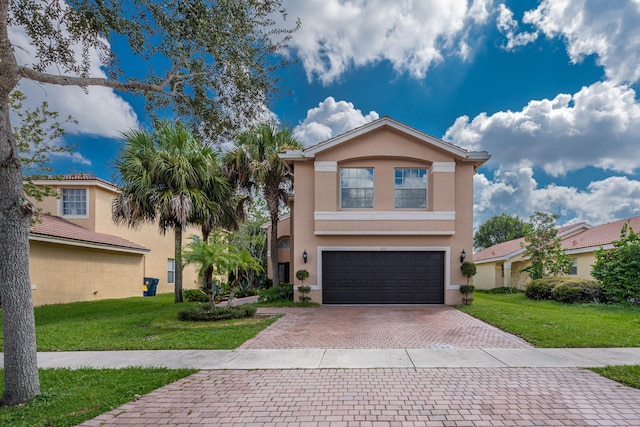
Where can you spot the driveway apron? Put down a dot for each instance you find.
(383, 397)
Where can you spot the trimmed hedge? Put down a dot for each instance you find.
(567, 290)
(204, 313)
(504, 290)
(577, 291)
(541, 288)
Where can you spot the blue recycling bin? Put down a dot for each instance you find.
(150, 284)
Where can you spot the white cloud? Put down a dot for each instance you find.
(517, 193)
(330, 118)
(73, 157)
(413, 35)
(99, 111)
(509, 27)
(597, 126)
(608, 29)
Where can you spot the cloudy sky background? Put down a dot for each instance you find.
(548, 88)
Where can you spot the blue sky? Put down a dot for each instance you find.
(548, 88)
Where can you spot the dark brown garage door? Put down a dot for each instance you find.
(382, 277)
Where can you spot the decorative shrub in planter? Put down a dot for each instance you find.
(467, 292)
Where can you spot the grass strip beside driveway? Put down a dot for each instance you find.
(138, 323)
(70, 397)
(555, 325)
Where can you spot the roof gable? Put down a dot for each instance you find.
(387, 122)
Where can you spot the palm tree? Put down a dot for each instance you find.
(167, 176)
(254, 165)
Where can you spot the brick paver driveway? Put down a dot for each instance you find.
(379, 327)
(385, 397)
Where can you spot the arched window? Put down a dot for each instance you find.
(284, 243)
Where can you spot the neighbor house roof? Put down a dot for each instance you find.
(480, 157)
(77, 179)
(58, 230)
(511, 248)
(600, 235)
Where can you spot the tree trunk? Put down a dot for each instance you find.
(21, 382)
(274, 250)
(177, 231)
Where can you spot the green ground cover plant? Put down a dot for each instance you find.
(627, 375)
(138, 323)
(553, 324)
(70, 397)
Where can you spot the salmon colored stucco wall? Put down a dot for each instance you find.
(154, 263)
(64, 273)
(450, 192)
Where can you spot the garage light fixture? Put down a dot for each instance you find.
(304, 256)
(463, 255)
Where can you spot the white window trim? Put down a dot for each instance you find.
(373, 201)
(325, 166)
(61, 208)
(426, 190)
(174, 271)
(443, 167)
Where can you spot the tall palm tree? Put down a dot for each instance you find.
(254, 165)
(169, 177)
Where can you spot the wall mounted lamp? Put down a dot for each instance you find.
(463, 255)
(304, 256)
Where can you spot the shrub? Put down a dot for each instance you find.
(618, 268)
(468, 270)
(577, 291)
(267, 283)
(467, 291)
(303, 297)
(282, 292)
(244, 290)
(541, 288)
(204, 313)
(195, 295)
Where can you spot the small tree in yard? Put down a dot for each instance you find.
(544, 248)
(215, 68)
(618, 268)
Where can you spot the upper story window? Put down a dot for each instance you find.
(410, 188)
(356, 187)
(74, 202)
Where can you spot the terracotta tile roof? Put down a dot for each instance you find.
(600, 235)
(55, 226)
(589, 237)
(499, 251)
(506, 249)
(77, 177)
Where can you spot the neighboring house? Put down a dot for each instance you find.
(501, 264)
(77, 253)
(381, 215)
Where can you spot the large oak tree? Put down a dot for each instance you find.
(209, 62)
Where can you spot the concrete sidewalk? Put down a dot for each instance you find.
(345, 358)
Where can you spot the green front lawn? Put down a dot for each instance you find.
(138, 323)
(70, 397)
(552, 324)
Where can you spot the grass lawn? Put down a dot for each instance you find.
(136, 323)
(552, 324)
(70, 397)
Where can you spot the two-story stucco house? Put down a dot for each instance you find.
(77, 253)
(380, 215)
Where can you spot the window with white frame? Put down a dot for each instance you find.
(74, 202)
(574, 267)
(356, 187)
(171, 270)
(410, 188)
